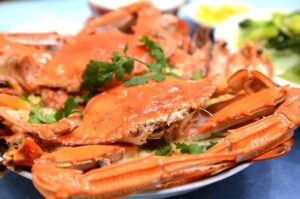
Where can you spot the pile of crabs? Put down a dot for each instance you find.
(214, 110)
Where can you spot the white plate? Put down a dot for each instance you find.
(39, 26)
(229, 29)
(48, 25)
(178, 190)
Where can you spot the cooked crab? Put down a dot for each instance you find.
(225, 116)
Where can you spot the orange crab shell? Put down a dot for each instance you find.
(69, 63)
(130, 114)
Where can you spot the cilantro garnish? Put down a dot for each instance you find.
(86, 97)
(163, 149)
(67, 110)
(193, 148)
(24, 98)
(36, 117)
(158, 70)
(100, 73)
(154, 50)
(197, 75)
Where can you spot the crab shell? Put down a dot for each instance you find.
(69, 63)
(133, 114)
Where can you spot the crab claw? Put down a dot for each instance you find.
(124, 178)
(24, 155)
(250, 81)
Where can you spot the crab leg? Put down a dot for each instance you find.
(122, 178)
(24, 155)
(256, 138)
(34, 39)
(11, 86)
(278, 151)
(116, 19)
(13, 102)
(268, 137)
(245, 109)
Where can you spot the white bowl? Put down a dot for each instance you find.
(102, 6)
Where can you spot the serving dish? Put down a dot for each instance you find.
(167, 115)
(102, 6)
(72, 29)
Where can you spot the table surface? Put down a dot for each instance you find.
(273, 179)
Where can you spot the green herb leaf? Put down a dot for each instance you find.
(136, 80)
(197, 75)
(125, 49)
(193, 148)
(86, 97)
(67, 110)
(157, 77)
(154, 67)
(127, 64)
(154, 49)
(120, 74)
(24, 98)
(36, 117)
(164, 149)
(97, 74)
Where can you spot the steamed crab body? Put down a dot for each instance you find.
(63, 69)
(67, 66)
(135, 114)
(122, 114)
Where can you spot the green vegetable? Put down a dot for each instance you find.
(136, 80)
(292, 74)
(85, 98)
(192, 148)
(99, 73)
(256, 31)
(280, 37)
(197, 75)
(36, 117)
(285, 43)
(22, 97)
(293, 24)
(163, 149)
(154, 50)
(158, 70)
(68, 109)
